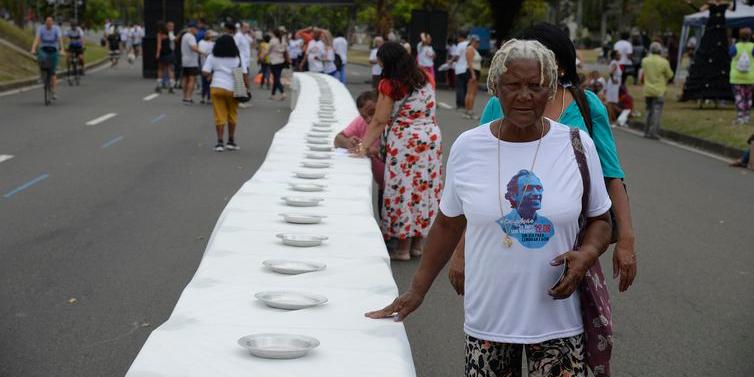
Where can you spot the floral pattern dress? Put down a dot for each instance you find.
(413, 164)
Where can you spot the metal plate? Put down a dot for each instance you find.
(318, 141)
(307, 187)
(292, 267)
(316, 164)
(310, 174)
(299, 201)
(278, 346)
(301, 240)
(290, 300)
(319, 156)
(301, 218)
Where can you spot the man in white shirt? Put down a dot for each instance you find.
(138, 35)
(243, 44)
(376, 68)
(190, 62)
(340, 45)
(626, 50)
(425, 55)
(461, 69)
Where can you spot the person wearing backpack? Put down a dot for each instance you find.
(655, 73)
(742, 75)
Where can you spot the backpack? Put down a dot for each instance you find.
(743, 64)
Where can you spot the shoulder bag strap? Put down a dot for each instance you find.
(580, 97)
(578, 151)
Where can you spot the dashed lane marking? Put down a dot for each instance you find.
(5, 157)
(26, 185)
(151, 97)
(112, 141)
(101, 119)
(158, 118)
(445, 105)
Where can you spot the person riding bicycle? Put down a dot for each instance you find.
(113, 42)
(49, 39)
(75, 36)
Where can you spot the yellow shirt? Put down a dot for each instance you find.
(657, 72)
(264, 47)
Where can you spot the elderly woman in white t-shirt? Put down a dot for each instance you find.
(516, 186)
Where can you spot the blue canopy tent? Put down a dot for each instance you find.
(741, 17)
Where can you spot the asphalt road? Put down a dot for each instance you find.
(117, 215)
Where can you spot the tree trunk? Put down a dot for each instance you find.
(384, 18)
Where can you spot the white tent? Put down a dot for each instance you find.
(742, 16)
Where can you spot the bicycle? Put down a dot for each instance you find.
(45, 68)
(74, 68)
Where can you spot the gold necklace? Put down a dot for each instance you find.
(507, 241)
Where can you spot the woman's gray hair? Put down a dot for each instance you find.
(517, 49)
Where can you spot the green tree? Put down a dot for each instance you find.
(662, 15)
(97, 11)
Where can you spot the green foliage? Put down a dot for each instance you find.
(532, 12)
(97, 11)
(662, 15)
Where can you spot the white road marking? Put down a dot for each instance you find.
(445, 105)
(678, 145)
(20, 90)
(356, 73)
(5, 157)
(101, 119)
(151, 97)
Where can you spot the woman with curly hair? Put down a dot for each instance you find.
(412, 149)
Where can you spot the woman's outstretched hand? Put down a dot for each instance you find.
(577, 264)
(401, 307)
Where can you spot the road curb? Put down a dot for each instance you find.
(23, 83)
(692, 141)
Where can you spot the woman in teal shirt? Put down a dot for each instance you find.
(565, 110)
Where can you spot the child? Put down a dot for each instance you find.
(357, 130)
(745, 160)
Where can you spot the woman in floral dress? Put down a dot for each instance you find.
(412, 149)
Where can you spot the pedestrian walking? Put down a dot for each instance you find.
(474, 62)
(585, 111)
(243, 43)
(340, 45)
(745, 160)
(295, 50)
(655, 73)
(461, 69)
(190, 62)
(376, 67)
(205, 47)
(219, 67)
(425, 55)
(315, 52)
(742, 75)
(165, 59)
(405, 116)
(612, 89)
(138, 38)
(449, 65)
(278, 48)
(113, 44)
(328, 55)
(626, 50)
(264, 61)
(519, 180)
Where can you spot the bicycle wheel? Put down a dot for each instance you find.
(70, 68)
(76, 71)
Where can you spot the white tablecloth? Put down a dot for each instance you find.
(218, 305)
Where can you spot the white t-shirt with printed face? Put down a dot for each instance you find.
(189, 58)
(506, 288)
(376, 69)
(624, 47)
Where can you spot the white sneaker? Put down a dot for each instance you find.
(231, 146)
(219, 147)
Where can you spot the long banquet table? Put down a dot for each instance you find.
(218, 305)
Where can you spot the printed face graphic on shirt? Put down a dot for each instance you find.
(524, 193)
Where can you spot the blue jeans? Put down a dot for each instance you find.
(341, 75)
(745, 157)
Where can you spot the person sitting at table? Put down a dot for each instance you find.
(350, 138)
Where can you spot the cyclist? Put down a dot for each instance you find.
(49, 39)
(113, 42)
(75, 48)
